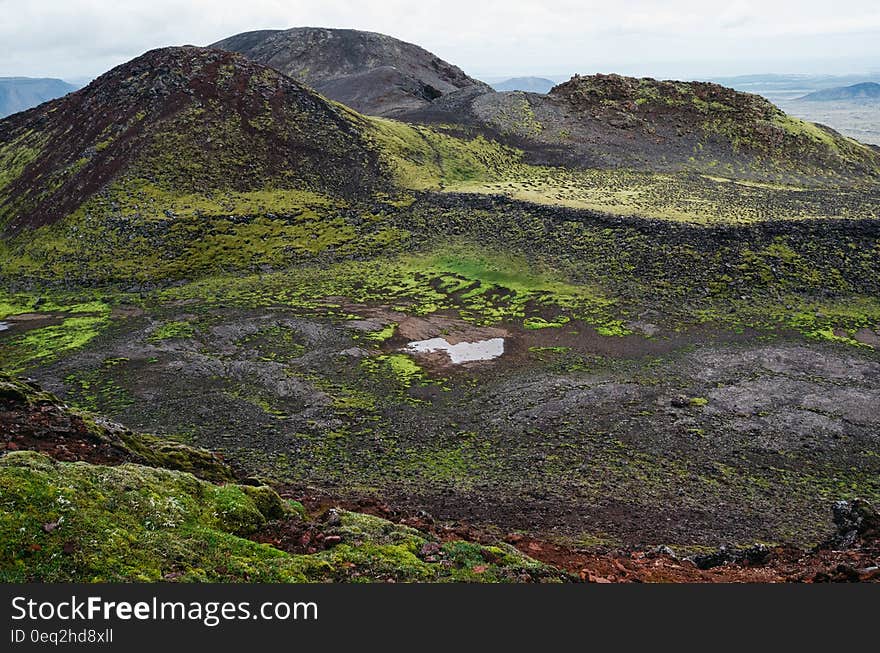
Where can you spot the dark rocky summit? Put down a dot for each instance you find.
(372, 73)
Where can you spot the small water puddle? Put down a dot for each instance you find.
(462, 352)
(4, 326)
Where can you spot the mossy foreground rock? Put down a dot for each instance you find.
(62, 522)
(75, 521)
(31, 418)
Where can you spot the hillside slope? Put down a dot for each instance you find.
(91, 503)
(179, 120)
(187, 161)
(129, 175)
(372, 73)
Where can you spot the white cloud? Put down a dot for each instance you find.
(81, 37)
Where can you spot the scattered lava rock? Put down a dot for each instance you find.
(756, 555)
(35, 420)
(856, 521)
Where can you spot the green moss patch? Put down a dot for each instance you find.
(75, 522)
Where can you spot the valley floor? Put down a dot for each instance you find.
(597, 426)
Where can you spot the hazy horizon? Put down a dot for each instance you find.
(80, 39)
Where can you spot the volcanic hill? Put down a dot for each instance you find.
(372, 73)
(615, 121)
(191, 159)
(179, 120)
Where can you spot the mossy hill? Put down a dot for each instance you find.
(178, 121)
(646, 124)
(178, 137)
(188, 161)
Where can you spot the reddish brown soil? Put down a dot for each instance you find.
(52, 429)
(786, 564)
(783, 564)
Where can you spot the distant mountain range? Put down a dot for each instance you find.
(780, 83)
(529, 84)
(858, 92)
(20, 93)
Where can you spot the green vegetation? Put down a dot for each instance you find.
(752, 138)
(382, 334)
(75, 522)
(163, 243)
(484, 287)
(402, 370)
(678, 197)
(424, 158)
(165, 453)
(79, 324)
(170, 330)
(129, 523)
(15, 155)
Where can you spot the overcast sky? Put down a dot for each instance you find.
(487, 38)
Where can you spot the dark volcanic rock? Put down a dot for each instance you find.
(372, 73)
(757, 554)
(855, 520)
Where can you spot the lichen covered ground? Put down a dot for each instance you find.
(85, 499)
